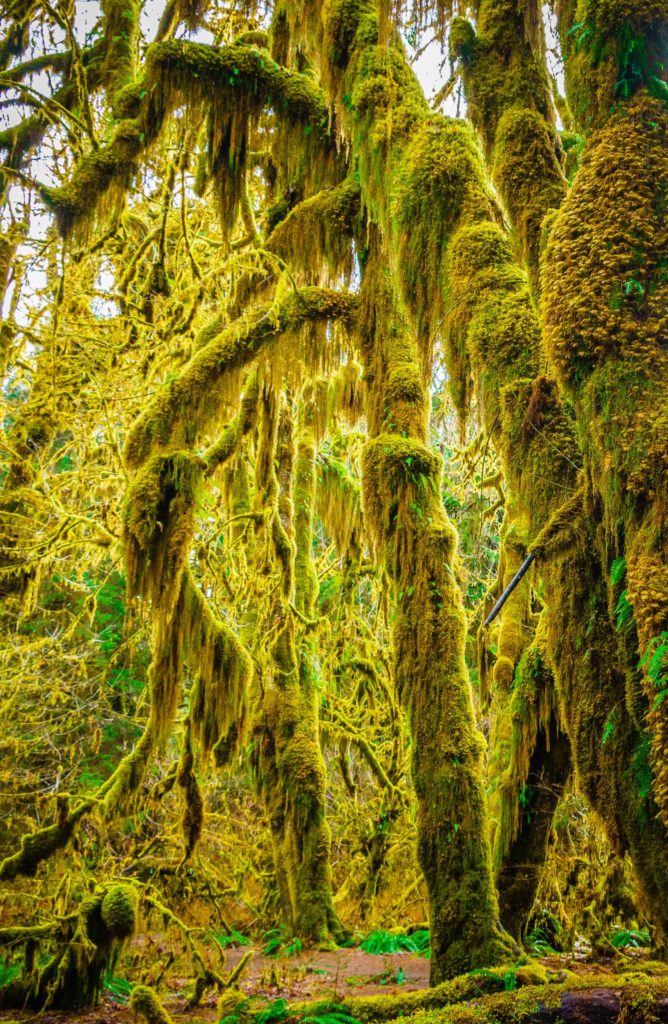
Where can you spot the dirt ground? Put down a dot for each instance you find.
(312, 974)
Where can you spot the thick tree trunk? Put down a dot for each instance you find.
(413, 538)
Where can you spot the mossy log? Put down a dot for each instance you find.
(480, 999)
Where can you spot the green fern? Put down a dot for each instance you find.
(621, 938)
(328, 1013)
(618, 570)
(537, 942)
(233, 939)
(8, 971)
(655, 663)
(276, 1011)
(624, 611)
(381, 942)
(609, 727)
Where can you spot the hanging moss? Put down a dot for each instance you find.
(178, 70)
(338, 504)
(159, 522)
(287, 763)
(99, 184)
(191, 402)
(222, 668)
(327, 219)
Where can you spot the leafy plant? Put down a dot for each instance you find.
(609, 727)
(624, 610)
(506, 980)
(655, 663)
(232, 939)
(8, 971)
(118, 988)
(622, 938)
(328, 1013)
(278, 942)
(537, 942)
(380, 942)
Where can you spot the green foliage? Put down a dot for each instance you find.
(230, 940)
(278, 942)
(507, 979)
(8, 971)
(537, 942)
(327, 1013)
(380, 942)
(609, 727)
(622, 938)
(655, 663)
(624, 611)
(276, 1011)
(117, 988)
(279, 1010)
(618, 570)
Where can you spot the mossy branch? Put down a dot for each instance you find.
(192, 400)
(176, 70)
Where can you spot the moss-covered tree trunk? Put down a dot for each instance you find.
(416, 543)
(287, 760)
(605, 313)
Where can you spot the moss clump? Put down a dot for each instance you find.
(120, 910)
(145, 1003)
(461, 40)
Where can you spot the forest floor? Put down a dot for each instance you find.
(311, 975)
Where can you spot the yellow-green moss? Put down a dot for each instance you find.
(192, 401)
(147, 1006)
(608, 243)
(120, 911)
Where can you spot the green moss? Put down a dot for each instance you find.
(192, 401)
(120, 910)
(612, 50)
(610, 355)
(147, 1006)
